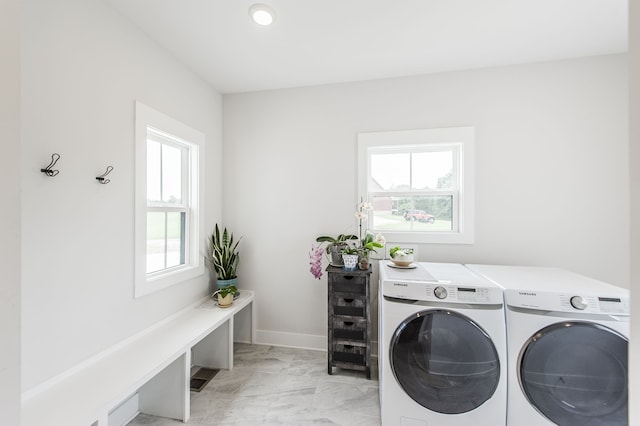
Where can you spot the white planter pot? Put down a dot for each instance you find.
(226, 301)
(350, 261)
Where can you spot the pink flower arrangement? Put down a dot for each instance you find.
(315, 260)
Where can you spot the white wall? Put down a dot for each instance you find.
(634, 163)
(83, 67)
(10, 211)
(551, 173)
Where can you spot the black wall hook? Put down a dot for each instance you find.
(48, 170)
(102, 178)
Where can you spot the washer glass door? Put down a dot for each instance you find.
(444, 361)
(575, 373)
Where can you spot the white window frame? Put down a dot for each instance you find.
(151, 122)
(460, 138)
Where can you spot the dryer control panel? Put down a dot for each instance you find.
(568, 302)
(556, 290)
(595, 304)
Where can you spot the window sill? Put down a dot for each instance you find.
(440, 238)
(146, 285)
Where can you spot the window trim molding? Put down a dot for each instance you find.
(148, 283)
(465, 136)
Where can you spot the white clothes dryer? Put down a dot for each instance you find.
(567, 347)
(442, 347)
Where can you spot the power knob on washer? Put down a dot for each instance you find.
(578, 303)
(440, 292)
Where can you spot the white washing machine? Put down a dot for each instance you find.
(442, 347)
(567, 347)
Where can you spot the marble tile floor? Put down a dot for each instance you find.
(281, 386)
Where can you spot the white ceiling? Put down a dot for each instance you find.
(328, 41)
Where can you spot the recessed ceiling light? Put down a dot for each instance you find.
(262, 14)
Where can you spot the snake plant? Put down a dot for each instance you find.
(223, 253)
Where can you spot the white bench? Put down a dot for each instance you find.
(154, 364)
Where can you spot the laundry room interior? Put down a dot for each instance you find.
(545, 175)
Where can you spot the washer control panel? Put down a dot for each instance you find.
(442, 292)
(438, 283)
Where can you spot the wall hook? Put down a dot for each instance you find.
(102, 178)
(48, 170)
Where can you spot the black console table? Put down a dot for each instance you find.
(349, 332)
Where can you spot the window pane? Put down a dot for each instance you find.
(432, 170)
(390, 171)
(418, 214)
(155, 241)
(175, 239)
(171, 174)
(153, 171)
(420, 170)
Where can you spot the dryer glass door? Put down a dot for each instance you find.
(444, 361)
(575, 373)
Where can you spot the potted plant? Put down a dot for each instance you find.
(223, 256)
(347, 245)
(401, 256)
(369, 244)
(225, 295)
(350, 258)
(335, 246)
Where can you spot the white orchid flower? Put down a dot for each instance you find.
(361, 216)
(364, 206)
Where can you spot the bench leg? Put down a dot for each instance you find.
(167, 393)
(244, 325)
(216, 349)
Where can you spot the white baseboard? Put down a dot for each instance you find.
(291, 340)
